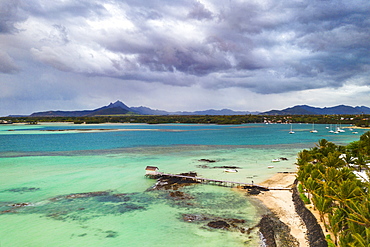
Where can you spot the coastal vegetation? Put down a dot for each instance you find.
(356, 120)
(336, 179)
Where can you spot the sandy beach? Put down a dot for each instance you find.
(280, 202)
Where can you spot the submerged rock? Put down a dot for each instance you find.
(194, 217)
(180, 195)
(22, 190)
(219, 224)
(216, 222)
(80, 195)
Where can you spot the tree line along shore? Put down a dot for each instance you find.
(335, 180)
(356, 120)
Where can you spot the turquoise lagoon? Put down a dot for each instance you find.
(47, 165)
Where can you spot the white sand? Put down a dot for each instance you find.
(280, 202)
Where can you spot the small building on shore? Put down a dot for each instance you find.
(151, 170)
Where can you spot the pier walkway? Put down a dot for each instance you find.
(221, 182)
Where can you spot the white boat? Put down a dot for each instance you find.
(354, 132)
(230, 170)
(275, 160)
(291, 129)
(339, 129)
(331, 130)
(313, 128)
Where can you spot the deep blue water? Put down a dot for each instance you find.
(29, 139)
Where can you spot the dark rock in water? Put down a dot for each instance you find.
(218, 167)
(111, 234)
(207, 160)
(174, 183)
(194, 217)
(227, 167)
(220, 224)
(254, 190)
(275, 233)
(217, 222)
(204, 166)
(19, 205)
(236, 221)
(7, 211)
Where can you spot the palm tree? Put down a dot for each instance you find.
(304, 157)
(323, 205)
(337, 223)
(361, 162)
(333, 160)
(311, 186)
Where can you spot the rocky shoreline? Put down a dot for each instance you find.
(274, 231)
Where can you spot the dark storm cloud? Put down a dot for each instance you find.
(10, 14)
(265, 46)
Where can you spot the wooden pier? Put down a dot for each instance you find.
(224, 183)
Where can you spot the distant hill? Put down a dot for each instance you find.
(119, 108)
(215, 112)
(309, 110)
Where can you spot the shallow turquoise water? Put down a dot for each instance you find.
(43, 167)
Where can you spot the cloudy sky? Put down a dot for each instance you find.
(186, 55)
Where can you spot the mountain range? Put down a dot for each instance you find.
(119, 108)
(309, 110)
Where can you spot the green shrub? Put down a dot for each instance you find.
(304, 198)
(300, 188)
(330, 242)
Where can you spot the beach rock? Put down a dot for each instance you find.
(219, 224)
(315, 234)
(275, 233)
(254, 190)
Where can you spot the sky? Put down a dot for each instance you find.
(183, 55)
